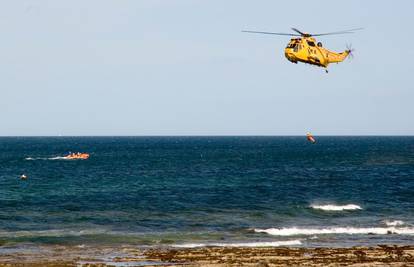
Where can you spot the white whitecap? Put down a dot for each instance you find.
(332, 207)
(394, 223)
(248, 244)
(294, 231)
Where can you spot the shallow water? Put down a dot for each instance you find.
(202, 190)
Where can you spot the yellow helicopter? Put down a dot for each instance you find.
(305, 48)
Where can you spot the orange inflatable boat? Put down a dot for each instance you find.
(77, 156)
(310, 138)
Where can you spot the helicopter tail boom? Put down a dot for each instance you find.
(333, 57)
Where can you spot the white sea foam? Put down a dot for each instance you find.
(394, 223)
(332, 207)
(294, 231)
(249, 244)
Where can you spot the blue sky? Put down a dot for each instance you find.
(184, 68)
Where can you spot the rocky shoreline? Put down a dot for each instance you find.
(382, 255)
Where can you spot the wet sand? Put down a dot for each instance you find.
(209, 256)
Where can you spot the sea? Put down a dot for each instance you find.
(247, 191)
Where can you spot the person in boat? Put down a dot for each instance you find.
(310, 138)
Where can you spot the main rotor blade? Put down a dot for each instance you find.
(274, 33)
(340, 32)
(296, 30)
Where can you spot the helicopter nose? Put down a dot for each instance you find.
(290, 56)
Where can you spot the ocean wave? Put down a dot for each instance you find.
(332, 207)
(53, 233)
(294, 231)
(394, 223)
(248, 244)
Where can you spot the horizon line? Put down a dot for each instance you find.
(223, 135)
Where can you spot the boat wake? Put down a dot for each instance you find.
(51, 158)
(30, 158)
(332, 207)
(59, 158)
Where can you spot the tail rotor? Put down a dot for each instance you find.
(350, 51)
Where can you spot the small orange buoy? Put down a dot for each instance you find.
(310, 138)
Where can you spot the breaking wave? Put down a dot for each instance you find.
(293, 231)
(394, 223)
(249, 244)
(331, 207)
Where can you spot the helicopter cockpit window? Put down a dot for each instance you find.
(297, 47)
(311, 43)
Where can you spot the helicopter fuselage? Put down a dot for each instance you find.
(307, 50)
